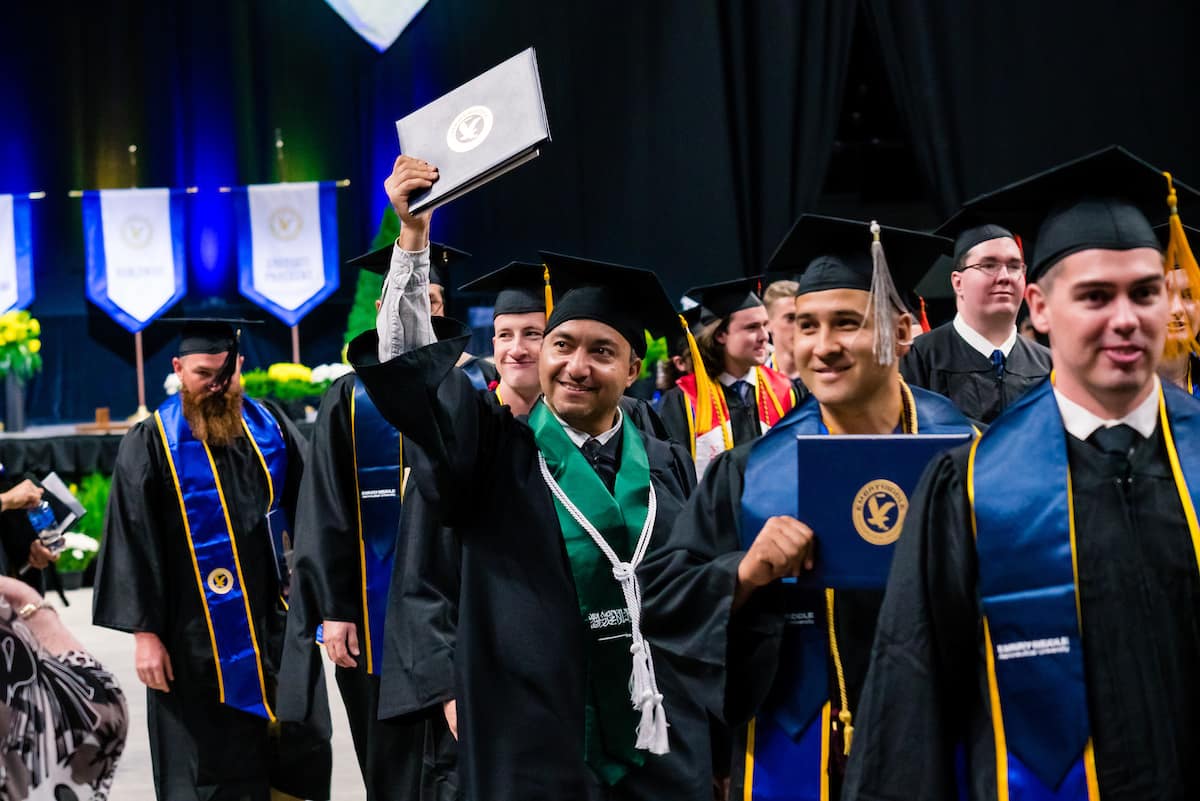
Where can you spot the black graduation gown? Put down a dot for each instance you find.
(1138, 587)
(145, 582)
(521, 641)
(942, 362)
(694, 574)
(327, 585)
(423, 598)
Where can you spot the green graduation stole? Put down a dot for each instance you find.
(609, 598)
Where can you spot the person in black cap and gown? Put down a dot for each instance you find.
(715, 596)
(193, 564)
(548, 643)
(977, 360)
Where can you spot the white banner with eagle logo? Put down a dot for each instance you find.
(135, 246)
(287, 246)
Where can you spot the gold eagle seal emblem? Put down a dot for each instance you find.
(220, 581)
(878, 512)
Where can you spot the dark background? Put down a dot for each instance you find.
(688, 134)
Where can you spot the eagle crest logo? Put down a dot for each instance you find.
(878, 512)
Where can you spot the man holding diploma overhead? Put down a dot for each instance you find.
(792, 657)
(561, 698)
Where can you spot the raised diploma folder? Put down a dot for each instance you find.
(856, 499)
(481, 130)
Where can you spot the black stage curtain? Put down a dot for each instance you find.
(992, 92)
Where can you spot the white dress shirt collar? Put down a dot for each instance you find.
(729, 380)
(979, 342)
(1081, 424)
(580, 437)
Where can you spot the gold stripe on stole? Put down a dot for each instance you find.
(187, 529)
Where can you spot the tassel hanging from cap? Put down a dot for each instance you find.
(549, 292)
(704, 387)
(1179, 255)
(884, 301)
(925, 327)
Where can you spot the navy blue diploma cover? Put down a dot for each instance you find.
(854, 493)
(491, 124)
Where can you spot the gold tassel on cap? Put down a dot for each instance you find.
(704, 387)
(549, 292)
(1179, 255)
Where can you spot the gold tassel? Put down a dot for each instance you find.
(549, 292)
(1179, 255)
(704, 387)
(847, 730)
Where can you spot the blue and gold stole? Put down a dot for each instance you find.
(379, 488)
(1019, 485)
(213, 546)
(788, 741)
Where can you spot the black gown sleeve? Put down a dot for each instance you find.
(925, 698)
(129, 594)
(434, 405)
(422, 611)
(674, 414)
(688, 583)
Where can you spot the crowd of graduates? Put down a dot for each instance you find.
(535, 585)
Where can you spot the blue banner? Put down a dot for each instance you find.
(134, 240)
(288, 260)
(16, 252)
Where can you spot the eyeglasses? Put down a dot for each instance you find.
(993, 268)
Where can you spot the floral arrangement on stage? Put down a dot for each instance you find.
(286, 382)
(20, 345)
(282, 381)
(83, 544)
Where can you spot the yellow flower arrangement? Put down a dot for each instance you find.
(19, 344)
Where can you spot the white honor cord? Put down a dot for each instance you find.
(643, 686)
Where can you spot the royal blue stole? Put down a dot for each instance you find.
(1019, 485)
(213, 546)
(788, 741)
(475, 373)
(379, 467)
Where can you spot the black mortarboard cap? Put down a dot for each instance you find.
(520, 288)
(726, 297)
(1106, 200)
(210, 335)
(441, 259)
(629, 299)
(969, 229)
(835, 253)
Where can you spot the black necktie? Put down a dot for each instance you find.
(603, 458)
(998, 363)
(744, 391)
(1116, 441)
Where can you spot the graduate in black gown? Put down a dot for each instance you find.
(1039, 636)
(977, 360)
(728, 367)
(192, 563)
(544, 635)
(714, 598)
(352, 518)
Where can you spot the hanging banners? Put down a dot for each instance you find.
(134, 240)
(287, 246)
(16, 253)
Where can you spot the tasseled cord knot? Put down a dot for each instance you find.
(885, 300)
